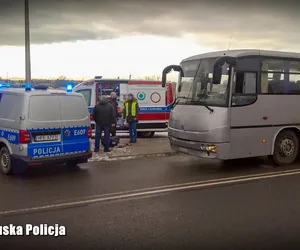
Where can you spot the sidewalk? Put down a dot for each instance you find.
(143, 148)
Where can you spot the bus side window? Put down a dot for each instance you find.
(244, 89)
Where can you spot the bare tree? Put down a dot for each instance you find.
(153, 77)
(61, 78)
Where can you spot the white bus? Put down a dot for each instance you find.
(237, 104)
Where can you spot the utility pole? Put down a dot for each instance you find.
(27, 45)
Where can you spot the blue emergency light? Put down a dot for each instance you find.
(69, 87)
(28, 87)
(3, 85)
(17, 86)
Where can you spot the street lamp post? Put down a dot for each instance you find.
(27, 45)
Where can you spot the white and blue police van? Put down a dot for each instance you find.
(40, 126)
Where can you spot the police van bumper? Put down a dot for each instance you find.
(29, 161)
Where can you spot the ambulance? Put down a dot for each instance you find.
(155, 102)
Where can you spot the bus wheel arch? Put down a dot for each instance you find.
(286, 146)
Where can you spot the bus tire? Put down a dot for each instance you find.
(148, 134)
(286, 148)
(5, 160)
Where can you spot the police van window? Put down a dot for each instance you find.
(73, 108)
(44, 108)
(10, 106)
(87, 95)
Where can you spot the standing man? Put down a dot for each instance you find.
(113, 101)
(105, 116)
(131, 111)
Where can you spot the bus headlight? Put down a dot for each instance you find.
(208, 148)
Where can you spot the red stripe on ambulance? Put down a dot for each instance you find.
(154, 116)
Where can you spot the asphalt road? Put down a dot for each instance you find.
(165, 203)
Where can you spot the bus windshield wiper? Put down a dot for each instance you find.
(177, 99)
(205, 105)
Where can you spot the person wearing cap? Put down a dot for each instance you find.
(131, 112)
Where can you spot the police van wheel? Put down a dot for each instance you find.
(286, 148)
(5, 160)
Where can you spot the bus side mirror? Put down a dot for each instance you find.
(167, 70)
(217, 75)
(179, 87)
(164, 80)
(219, 62)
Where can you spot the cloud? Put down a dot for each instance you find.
(260, 24)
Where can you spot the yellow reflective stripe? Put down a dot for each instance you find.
(133, 109)
(126, 109)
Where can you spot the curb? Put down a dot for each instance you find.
(132, 157)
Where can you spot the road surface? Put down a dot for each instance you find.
(174, 202)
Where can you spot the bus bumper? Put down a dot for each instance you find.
(197, 149)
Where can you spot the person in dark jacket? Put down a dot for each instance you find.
(105, 116)
(113, 100)
(131, 112)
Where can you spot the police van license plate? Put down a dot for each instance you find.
(40, 138)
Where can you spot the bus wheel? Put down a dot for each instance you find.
(149, 134)
(5, 160)
(286, 148)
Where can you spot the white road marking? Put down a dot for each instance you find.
(173, 185)
(155, 191)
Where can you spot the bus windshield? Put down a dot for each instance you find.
(197, 87)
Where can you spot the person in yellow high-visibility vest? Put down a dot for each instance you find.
(130, 113)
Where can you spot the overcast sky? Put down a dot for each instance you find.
(205, 24)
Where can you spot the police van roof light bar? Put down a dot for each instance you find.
(28, 87)
(69, 88)
(41, 87)
(3, 85)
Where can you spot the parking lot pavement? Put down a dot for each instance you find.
(156, 146)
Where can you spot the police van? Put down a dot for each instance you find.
(39, 126)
